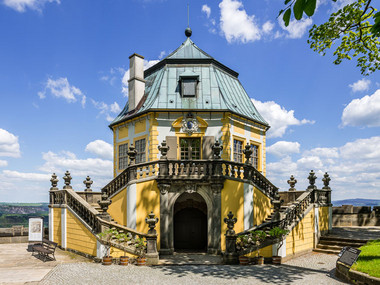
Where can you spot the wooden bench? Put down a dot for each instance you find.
(45, 248)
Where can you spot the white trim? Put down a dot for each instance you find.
(63, 227)
(330, 218)
(281, 251)
(131, 206)
(248, 206)
(51, 224)
(101, 250)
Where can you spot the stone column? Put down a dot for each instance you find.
(166, 225)
(214, 216)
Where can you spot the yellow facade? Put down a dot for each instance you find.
(116, 252)
(323, 218)
(301, 237)
(148, 199)
(118, 207)
(239, 128)
(153, 134)
(140, 126)
(232, 197)
(57, 233)
(261, 207)
(78, 236)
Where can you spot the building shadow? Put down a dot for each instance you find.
(266, 274)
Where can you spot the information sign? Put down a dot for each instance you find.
(36, 228)
(349, 255)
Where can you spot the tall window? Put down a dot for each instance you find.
(255, 156)
(123, 156)
(238, 148)
(140, 148)
(190, 148)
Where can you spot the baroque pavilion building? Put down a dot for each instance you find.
(189, 146)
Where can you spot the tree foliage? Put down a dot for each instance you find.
(355, 29)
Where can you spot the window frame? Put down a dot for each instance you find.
(140, 152)
(183, 80)
(253, 157)
(237, 157)
(123, 158)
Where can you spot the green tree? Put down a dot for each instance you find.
(355, 29)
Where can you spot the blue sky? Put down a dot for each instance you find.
(62, 65)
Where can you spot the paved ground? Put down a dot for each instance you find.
(18, 266)
(365, 233)
(190, 258)
(313, 268)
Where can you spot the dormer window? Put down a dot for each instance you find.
(189, 82)
(189, 87)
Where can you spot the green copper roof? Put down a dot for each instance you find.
(218, 88)
(188, 50)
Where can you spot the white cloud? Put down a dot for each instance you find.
(268, 27)
(161, 55)
(61, 88)
(309, 162)
(339, 4)
(125, 78)
(3, 163)
(236, 25)
(296, 29)
(323, 152)
(65, 160)
(363, 112)
(360, 85)
(100, 148)
(108, 110)
(283, 148)
(278, 117)
(9, 145)
(354, 168)
(22, 5)
(280, 168)
(206, 9)
(16, 175)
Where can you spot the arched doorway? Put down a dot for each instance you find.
(190, 223)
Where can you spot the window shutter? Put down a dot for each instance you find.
(208, 141)
(171, 141)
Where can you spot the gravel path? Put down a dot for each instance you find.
(313, 268)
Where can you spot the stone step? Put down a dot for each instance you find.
(340, 243)
(340, 239)
(330, 247)
(327, 251)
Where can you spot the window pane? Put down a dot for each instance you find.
(238, 147)
(255, 155)
(123, 156)
(140, 148)
(189, 87)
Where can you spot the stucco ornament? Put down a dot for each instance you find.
(191, 188)
(190, 125)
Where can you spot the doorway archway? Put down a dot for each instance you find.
(190, 223)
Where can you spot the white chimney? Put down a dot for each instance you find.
(136, 82)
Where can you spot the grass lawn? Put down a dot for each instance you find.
(369, 259)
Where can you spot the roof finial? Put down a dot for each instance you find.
(188, 31)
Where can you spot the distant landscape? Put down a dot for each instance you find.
(18, 214)
(357, 202)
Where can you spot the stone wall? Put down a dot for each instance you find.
(16, 234)
(348, 215)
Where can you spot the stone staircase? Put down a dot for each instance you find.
(97, 207)
(334, 244)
